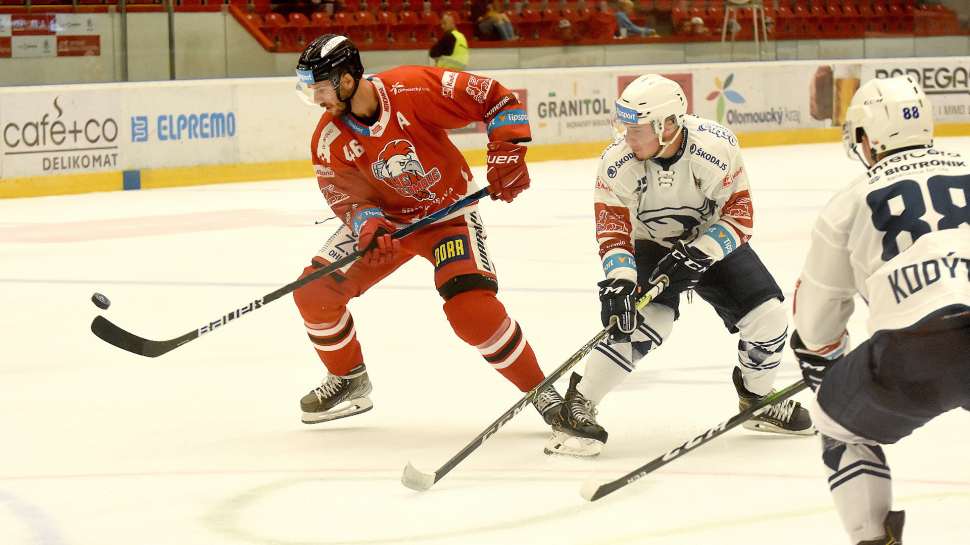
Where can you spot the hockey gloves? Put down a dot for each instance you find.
(681, 269)
(619, 305)
(815, 363)
(506, 171)
(375, 240)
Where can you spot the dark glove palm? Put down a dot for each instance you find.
(681, 269)
(619, 303)
(813, 366)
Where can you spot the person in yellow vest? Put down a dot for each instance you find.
(451, 51)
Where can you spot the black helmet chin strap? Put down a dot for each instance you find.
(336, 89)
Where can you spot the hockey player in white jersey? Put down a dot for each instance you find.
(899, 236)
(672, 205)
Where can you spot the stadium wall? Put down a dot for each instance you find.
(64, 139)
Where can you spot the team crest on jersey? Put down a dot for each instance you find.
(673, 224)
(608, 221)
(739, 208)
(399, 167)
(332, 195)
(478, 88)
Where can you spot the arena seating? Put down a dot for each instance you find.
(394, 24)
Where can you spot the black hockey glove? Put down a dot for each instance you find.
(813, 365)
(619, 300)
(681, 269)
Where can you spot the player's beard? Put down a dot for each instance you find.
(336, 110)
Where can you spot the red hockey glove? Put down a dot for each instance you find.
(506, 171)
(375, 240)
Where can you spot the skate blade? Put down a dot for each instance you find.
(342, 410)
(766, 427)
(562, 444)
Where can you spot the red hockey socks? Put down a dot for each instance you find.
(480, 320)
(329, 325)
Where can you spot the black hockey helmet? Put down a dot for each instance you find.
(328, 58)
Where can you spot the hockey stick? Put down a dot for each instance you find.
(591, 491)
(420, 481)
(113, 334)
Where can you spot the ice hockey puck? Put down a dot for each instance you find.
(100, 300)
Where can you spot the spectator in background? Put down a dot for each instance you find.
(492, 22)
(700, 29)
(627, 26)
(451, 51)
(685, 27)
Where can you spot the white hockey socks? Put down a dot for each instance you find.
(610, 364)
(763, 332)
(861, 486)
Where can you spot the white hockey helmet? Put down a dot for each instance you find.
(650, 99)
(894, 113)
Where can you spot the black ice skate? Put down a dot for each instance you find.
(574, 429)
(548, 403)
(894, 530)
(338, 397)
(787, 417)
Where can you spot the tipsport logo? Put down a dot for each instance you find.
(305, 76)
(723, 93)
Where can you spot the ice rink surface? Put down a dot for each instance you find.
(204, 445)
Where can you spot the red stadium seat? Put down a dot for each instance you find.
(386, 20)
(431, 26)
(578, 18)
(406, 29)
(299, 32)
(321, 23)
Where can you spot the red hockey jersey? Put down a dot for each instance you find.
(405, 164)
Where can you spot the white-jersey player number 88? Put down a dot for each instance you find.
(910, 219)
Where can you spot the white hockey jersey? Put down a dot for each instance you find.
(700, 195)
(898, 235)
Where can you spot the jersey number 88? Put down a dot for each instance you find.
(941, 190)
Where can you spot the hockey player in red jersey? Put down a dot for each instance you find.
(383, 160)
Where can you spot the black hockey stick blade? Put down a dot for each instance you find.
(592, 491)
(420, 481)
(112, 334)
